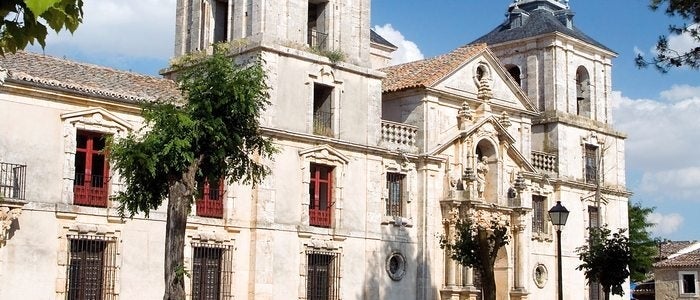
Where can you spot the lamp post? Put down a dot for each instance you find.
(558, 215)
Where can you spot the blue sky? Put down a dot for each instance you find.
(659, 112)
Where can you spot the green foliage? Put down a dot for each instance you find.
(334, 56)
(643, 248)
(667, 58)
(471, 244)
(476, 244)
(606, 258)
(24, 21)
(216, 129)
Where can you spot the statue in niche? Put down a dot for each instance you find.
(482, 168)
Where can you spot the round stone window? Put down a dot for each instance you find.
(540, 275)
(396, 266)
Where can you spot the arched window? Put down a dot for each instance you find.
(514, 72)
(480, 72)
(583, 92)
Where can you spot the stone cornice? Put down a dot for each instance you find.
(58, 94)
(550, 117)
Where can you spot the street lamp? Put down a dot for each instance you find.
(558, 215)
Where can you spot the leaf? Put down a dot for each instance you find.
(38, 7)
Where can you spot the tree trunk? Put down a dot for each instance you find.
(180, 193)
(488, 279)
(606, 292)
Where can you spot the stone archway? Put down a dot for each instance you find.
(503, 274)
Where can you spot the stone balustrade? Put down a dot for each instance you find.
(544, 162)
(399, 136)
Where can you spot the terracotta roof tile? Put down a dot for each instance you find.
(687, 260)
(671, 247)
(424, 73)
(52, 72)
(678, 254)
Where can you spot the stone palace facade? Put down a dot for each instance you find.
(376, 162)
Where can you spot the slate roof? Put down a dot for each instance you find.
(682, 255)
(52, 72)
(425, 73)
(374, 37)
(539, 22)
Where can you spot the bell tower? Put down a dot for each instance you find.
(567, 75)
(320, 25)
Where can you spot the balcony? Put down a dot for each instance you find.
(399, 136)
(211, 204)
(90, 190)
(323, 123)
(13, 178)
(317, 39)
(544, 162)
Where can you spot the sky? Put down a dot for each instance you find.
(659, 112)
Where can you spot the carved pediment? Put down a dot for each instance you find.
(487, 128)
(97, 116)
(325, 153)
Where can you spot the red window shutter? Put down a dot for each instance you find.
(211, 204)
(90, 185)
(320, 195)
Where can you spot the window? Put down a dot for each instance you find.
(221, 21)
(593, 217)
(590, 158)
(687, 283)
(539, 223)
(323, 115)
(583, 93)
(91, 267)
(594, 288)
(395, 184)
(317, 36)
(514, 72)
(212, 271)
(12, 180)
(211, 203)
(322, 275)
(91, 170)
(320, 194)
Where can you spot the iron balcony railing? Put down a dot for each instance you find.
(317, 39)
(13, 179)
(323, 123)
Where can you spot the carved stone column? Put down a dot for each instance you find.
(521, 262)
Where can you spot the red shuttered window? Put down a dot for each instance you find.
(91, 170)
(211, 204)
(320, 194)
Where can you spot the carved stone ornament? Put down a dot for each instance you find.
(7, 215)
(504, 119)
(540, 275)
(485, 93)
(396, 266)
(464, 116)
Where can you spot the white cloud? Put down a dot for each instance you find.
(136, 28)
(665, 224)
(407, 50)
(682, 92)
(638, 51)
(662, 136)
(684, 42)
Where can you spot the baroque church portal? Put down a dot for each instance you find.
(376, 162)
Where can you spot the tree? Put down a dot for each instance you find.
(213, 134)
(667, 58)
(24, 21)
(477, 240)
(606, 259)
(643, 248)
